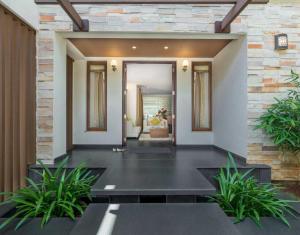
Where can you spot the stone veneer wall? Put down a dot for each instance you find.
(267, 68)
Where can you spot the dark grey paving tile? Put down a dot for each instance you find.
(158, 219)
(33, 227)
(152, 181)
(269, 226)
(150, 154)
(90, 221)
(167, 170)
(105, 158)
(4, 209)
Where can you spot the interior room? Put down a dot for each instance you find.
(149, 101)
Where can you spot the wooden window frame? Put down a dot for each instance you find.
(88, 128)
(209, 64)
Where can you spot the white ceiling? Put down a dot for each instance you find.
(155, 78)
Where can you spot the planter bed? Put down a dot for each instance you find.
(269, 226)
(56, 226)
(36, 178)
(262, 173)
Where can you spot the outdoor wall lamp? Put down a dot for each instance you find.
(281, 41)
(185, 65)
(114, 64)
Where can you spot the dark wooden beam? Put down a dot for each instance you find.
(224, 26)
(150, 1)
(79, 24)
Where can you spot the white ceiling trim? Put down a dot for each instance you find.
(149, 35)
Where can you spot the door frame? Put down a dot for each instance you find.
(124, 94)
(69, 103)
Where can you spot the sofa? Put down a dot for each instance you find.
(132, 130)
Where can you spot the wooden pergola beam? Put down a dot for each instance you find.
(79, 24)
(224, 26)
(150, 1)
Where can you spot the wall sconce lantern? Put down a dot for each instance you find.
(281, 41)
(185, 65)
(114, 64)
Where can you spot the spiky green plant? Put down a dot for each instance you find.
(241, 196)
(281, 121)
(59, 194)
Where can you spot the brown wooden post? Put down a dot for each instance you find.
(224, 26)
(79, 24)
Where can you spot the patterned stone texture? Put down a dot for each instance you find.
(267, 68)
(45, 95)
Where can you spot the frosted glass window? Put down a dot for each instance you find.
(96, 95)
(153, 103)
(201, 96)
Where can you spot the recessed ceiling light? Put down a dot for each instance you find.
(133, 47)
(166, 47)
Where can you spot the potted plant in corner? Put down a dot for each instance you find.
(243, 198)
(281, 122)
(60, 195)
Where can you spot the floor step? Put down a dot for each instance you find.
(158, 219)
(159, 181)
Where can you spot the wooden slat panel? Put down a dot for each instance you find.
(1, 103)
(15, 65)
(23, 107)
(7, 103)
(17, 100)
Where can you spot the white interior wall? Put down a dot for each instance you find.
(113, 136)
(27, 10)
(59, 96)
(230, 97)
(131, 101)
(185, 135)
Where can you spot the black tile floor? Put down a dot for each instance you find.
(154, 168)
(175, 156)
(148, 183)
(158, 219)
(153, 181)
(175, 219)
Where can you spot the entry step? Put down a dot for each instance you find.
(152, 181)
(158, 219)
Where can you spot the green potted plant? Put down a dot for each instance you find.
(60, 194)
(243, 198)
(281, 122)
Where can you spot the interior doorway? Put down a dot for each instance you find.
(149, 101)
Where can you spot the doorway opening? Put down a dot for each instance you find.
(149, 101)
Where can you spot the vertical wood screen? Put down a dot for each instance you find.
(17, 100)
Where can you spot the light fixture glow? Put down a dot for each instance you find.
(114, 64)
(185, 65)
(281, 42)
(133, 47)
(166, 47)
